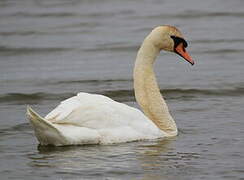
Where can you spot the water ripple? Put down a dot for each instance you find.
(6, 50)
(121, 94)
(197, 14)
(207, 41)
(221, 51)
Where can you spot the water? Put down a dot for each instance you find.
(50, 50)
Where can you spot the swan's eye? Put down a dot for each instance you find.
(178, 40)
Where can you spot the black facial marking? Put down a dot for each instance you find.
(178, 40)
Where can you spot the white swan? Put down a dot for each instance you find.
(96, 119)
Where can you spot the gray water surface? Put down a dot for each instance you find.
(50, 50)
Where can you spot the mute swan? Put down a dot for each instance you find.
(96, 119)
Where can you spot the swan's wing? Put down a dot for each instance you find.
(80, 108)
(102, 113)
(63, 109)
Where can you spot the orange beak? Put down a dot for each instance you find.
(180, 49)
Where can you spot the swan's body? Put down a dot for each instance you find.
(96, 119)
(100, 120)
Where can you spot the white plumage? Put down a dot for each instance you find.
(93, 119)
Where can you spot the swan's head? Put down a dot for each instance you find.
(169, 38)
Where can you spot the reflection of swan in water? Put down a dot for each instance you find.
(96, 119)
(158, 159)
(90, 160)
(154, 148)
(162, 160)
(152, 158)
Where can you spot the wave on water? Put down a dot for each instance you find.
(8, 50)
(207, 41)
(23, 127)
(197, 14)
(33, 98)
(91, 81)
(120, 95)
(101, 48)
(237, 91)
(24, 50)
(221, 51)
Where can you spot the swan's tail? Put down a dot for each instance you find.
(46, 132)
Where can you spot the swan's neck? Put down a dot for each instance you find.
(147, 91)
